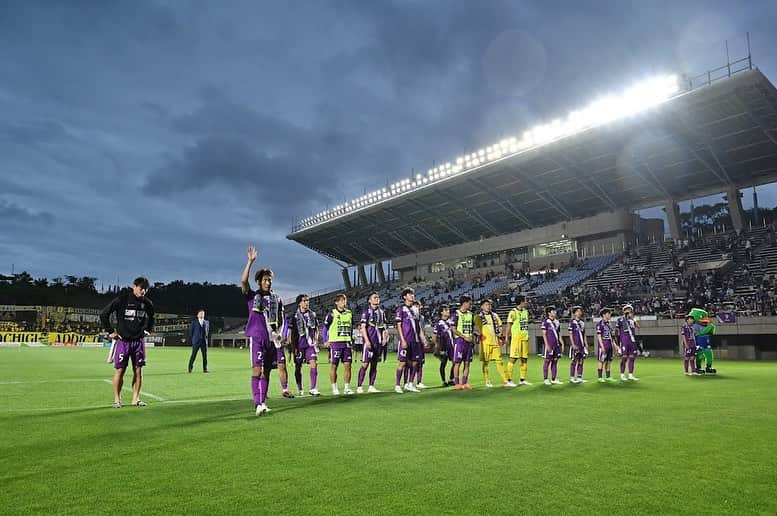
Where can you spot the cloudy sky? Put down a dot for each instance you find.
(164, 137)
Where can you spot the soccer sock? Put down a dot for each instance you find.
(406, 371)
(685, 365)
(545, 369)
(572, 366)
(465, 378)
(298, 377)
(255, 390)
(442, 371)
(631, 365)
(264, 385)
(599, 372)
(362, 372)
(399, 376)
(554, 369)
(510, 367)
(608, 373)
(373, 374)
(486, 374)
(451, 377)
(524, 370)
(456, 380)
(500, 368)
(580, 369)
(313, 377)
(419, 375)
(623, 364)
(410, 374)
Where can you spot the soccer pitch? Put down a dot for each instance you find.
(666, 444)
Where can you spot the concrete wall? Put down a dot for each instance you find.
(603, 223)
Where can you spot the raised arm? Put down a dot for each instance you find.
(252, 254)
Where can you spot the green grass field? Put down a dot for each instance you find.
(667, 444)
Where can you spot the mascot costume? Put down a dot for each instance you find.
(704, 329)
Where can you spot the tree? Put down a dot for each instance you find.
(57, 282)
(23, 279)
(87, 283)
(42, 282)
(72, 281)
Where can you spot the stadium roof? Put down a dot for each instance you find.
(700, 142)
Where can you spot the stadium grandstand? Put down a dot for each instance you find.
(554, 214)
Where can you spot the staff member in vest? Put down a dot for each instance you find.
(134, 320)
(338, 328)
(199, 332)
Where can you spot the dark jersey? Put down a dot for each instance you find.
(134, 316)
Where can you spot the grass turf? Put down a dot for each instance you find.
(667, 444)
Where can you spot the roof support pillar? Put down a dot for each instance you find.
(346, 279)
(672, 210)
(362, 276)
(734, 197)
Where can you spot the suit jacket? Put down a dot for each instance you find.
(199, 333)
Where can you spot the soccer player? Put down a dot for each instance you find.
(578, 349)
(627, 337)
(443, 343)
(134, 320)
(266, 329)
(338, 330)
(419, 353)
(463, 328)
(303, 336)
(487, 326)
(517, 331)
(554, 346)
(373, 330)
(689, 346)
(605, 344)
(408, 330)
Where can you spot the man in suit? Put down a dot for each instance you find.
(199, 332)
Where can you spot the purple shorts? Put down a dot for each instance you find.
(578, 354)
(402, 354)
(462, 352)
(606, 356)
(446, 351)
(125, 351)
(416, 351)
(373, 354)
(305, 355)
(339, 352)
(690, 352)
(263, 353)
(555, 352)
(281, 354)
(629, 349)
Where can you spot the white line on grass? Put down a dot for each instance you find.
(143, 393)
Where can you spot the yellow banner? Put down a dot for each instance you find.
(46, 338)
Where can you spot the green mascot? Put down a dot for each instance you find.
(704, 329)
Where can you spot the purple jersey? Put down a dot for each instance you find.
(444, 336)
(690, 336)
(409, 321)
(627, 331)
(604, 329)
(551, 328)
(303, 329)
(375, 321)
(577, 329)
(265, 314)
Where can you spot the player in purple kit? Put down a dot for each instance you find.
(418, 354)
(463, 327)
(408, 330)
(605, 344)
(373, 330)
(443, 343)
(689, 346)
(627, 337)
(554, 345)
(134, 320)
(303, 335)
(338, 332)
(266, 329)
(578, 349)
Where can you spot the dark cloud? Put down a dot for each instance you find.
(174, 129)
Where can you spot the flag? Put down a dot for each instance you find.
(727, 317)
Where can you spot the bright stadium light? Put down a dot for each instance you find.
(635, 99)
